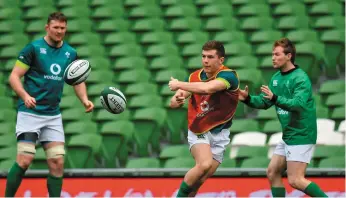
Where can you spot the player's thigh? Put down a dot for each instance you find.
(219, 142)
(299, 156)
(29, 123)
(53, 130)
(276, 165)
(200, 147)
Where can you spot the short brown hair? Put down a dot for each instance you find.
(288, 47)
(215, 45)
(59, 16)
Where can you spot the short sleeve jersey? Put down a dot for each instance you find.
(44, 78)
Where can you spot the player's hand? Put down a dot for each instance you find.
(89, 106)
(243, 94)
(180, 99)
(29, 102)
(173, 84)
(268, 93)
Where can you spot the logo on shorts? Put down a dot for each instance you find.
(201, 136)
(288, 154)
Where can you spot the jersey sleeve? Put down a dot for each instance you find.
(229, 78)
(26, 56)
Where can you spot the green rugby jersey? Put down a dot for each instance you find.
(44, 78)
(295, 106)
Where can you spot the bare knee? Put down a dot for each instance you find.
(56, 166)
(273, 173)
(24, 161)
(205, 166)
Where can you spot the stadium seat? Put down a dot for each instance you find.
(78, 12)
(325, 8)
(145, 25)
(322, 152)
(135, 3)
(177, 11)
(342, 127)
(250, 77)
(192, 37)
(8, 139)
(10, 52)
(331, 87)
(124, 50)
(290, 9)
(252, 24)
(335, 100)
(85, 38)
(271, 127)
(9, 152)
(113, 25)
(103, 115)
(166, 62)
(67, 3)
(332, 162)
(76, 25)
(144, 101)
(6, 164)
(252, 10)
(12, 39)
(82, 149)
(335, 51)
(242, 62)
(40, 160)
(120, 38)
(331, 138)
(100, 76)
(141, 89)
(133, 76)
(174, 151)
(191, 50)
(143, 163)
(161, 50)
(90, 50)
(241, 125)
(79, 127)
(8, 115)
(214, 10)
(220, 24)
(165, 3)
(230, 36)
(242, 139)
(35, 3)
(161, 37)
(148, 122)
(245, 152)
(265, 36)
(325, 125)
(39, 12)
(6, 103)
(338, 115)
(70, 101)
(116, 136)
(302, 35)
(8, 26)
(255, 162)
(164, 76)
(228, 163)
(129, 62)
(75, 114)
(266, 67)
(145, 11)
(329, 22)
(176, 122)
(289, 23)
(238, 49)
(108, 12)
(181, 162)
(7, 128)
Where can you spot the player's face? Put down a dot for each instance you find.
(279, 58)
(211, 61)
(56, 30)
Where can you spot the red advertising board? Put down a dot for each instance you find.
(167, 187)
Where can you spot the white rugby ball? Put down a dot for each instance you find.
(77, 72)
(113, 100)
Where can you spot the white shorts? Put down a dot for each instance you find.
(298, 153)
(48, 128)
(217, 142)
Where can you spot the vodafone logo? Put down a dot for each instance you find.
(55, 69)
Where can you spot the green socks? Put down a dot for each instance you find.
(184, 190)
(314, 191)
(278, 191)
(14, 178)
(54, 185)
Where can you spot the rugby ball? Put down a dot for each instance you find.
(113, 100)
(77, 72)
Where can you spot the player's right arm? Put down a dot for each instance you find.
(257, 102)
(20, 68)
(178, 99)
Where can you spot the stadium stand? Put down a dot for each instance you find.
(136, 45)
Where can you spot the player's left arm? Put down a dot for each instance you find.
(81, 93)
(301, 93)
(221, 82)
